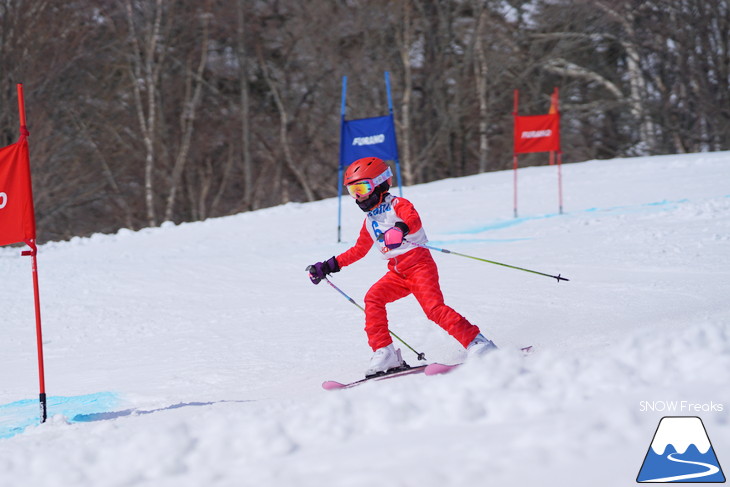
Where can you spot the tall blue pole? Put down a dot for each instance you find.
(342, 162)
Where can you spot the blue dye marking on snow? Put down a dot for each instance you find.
(16, 416)
(105, 416)
(502, 224)
(663, 205)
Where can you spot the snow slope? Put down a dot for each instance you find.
(193, 355)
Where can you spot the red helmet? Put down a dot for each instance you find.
(368, 180)
(368, 168)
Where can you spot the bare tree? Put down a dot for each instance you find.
(191, 102)
(481, 73)
(243, 65)
(407, 51)
(146, 58)
(626, 17)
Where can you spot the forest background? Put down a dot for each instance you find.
(142, 112)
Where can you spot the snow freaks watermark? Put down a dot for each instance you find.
(681, 407)
(680, 451)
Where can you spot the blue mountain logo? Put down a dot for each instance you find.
(681, 452)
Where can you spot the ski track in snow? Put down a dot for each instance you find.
(194, 354)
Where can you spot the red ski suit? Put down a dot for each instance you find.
(411, 269)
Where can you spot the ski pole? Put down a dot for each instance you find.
(558, 277)
(420, 355)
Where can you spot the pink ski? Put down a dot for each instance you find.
(332, 385)
(435, 369)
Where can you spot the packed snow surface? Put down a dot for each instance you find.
(193, 354)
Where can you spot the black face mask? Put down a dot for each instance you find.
(374, 199)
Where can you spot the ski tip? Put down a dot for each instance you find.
(436, 369)
(331, 385)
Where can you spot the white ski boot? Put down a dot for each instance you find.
(383, 360)
(481, 345)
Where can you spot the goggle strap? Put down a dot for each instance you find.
(382, 178)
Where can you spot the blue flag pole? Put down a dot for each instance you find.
(342, 162)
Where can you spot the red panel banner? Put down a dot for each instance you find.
(537, 133)
(17, 219)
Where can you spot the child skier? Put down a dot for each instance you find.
(411, 269)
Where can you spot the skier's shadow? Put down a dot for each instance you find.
(91, 417)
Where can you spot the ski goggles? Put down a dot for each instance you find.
(365, 187)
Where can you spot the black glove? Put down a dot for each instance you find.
(320, 270)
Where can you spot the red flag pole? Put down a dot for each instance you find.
(514, 157)
(34, 262)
